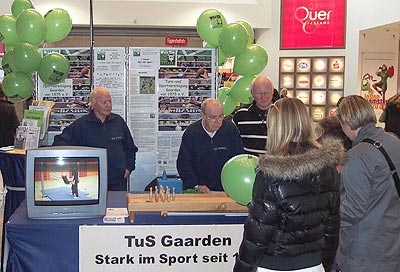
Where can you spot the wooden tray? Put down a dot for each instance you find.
(214, 202)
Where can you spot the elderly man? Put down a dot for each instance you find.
(102, 128)
(206, 146)
(251, 120)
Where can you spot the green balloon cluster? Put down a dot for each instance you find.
(22, 33)
(237, 177)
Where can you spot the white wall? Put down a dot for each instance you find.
(182, 13)
(263, 16)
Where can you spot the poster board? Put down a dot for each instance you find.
(166, 88)
(158, 91)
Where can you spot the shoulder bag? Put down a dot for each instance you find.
(393, 169)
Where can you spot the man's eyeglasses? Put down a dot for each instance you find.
(214, 118)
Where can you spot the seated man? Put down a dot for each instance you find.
(206, 146)
(104, 129)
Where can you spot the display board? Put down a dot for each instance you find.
(166, 88)
(317, 81)
(158, 91)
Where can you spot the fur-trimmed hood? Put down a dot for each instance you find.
(298, 165)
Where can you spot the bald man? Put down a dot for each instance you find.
(206, 146)
(251, 120)
(102, 128)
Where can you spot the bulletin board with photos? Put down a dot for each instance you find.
(317, 81)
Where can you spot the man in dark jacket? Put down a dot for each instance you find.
(8, 120)
(206, 146)
(102, 128)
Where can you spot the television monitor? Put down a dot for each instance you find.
(65, 182)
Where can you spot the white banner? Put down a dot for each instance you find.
(194, 248)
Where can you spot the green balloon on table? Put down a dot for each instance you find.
(58, 25)
(250, 31)
(228, 102)
(8, 30)
(31, 27)
(209, 25)
(241, 89)
(26, 57)
(251, 61)
(53, 69)
(237, 177)
(18, 86)
(7, 63)
(20, 5)
(233, 39)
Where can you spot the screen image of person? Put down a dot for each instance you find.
(370, 203)
(293, 221)
(102, 128)
(206, 146)
(251, 120)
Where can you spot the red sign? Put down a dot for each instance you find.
(313, 24)
(176, 41)
(2, 49)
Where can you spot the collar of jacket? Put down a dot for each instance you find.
(254, 108)
(93, 117)
(311, 161)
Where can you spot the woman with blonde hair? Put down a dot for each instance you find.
(369, 211)
(293, 220)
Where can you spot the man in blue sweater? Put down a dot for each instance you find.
(102, 128)
(206, 146)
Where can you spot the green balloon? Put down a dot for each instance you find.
(18, 86)
(7, 63)
(250, 31)
(58, 25)
(233, 39)
(228, 102)
(237, 177)
(31, 27)
(19, 5)
(8, 30)
(209, 25)
(9, 48)
(241, 89)
(251, 61)
(26, 57)
(54, 68)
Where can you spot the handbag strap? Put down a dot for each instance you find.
(393, 169)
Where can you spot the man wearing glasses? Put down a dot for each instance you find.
(251, 120)
(206, 146)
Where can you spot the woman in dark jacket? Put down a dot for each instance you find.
(293, 220)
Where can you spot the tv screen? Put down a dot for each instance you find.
(66, 182)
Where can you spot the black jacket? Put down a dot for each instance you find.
(293, 220)
(8, 122)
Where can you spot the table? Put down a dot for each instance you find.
(12, 167)
(53, 245)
